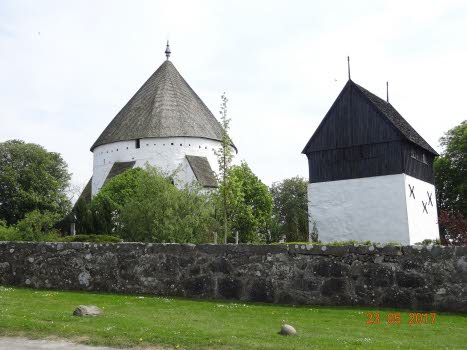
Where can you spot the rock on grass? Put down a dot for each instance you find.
(287, 330)
(87, 310)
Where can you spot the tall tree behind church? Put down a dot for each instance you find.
(31, 178)
(451, 185)
(224, 157)
(451, 171)
(290, 209)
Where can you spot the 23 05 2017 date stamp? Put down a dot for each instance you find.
(394, 318)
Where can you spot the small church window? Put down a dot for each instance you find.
(420, 156)
(117, 149)
(414, 155)
(171, 143)
(138, 143)
(147, 144)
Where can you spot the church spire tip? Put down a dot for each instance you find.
(348, 66)
(167, 50)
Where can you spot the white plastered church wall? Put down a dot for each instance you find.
(365, 209)
(378, 209)
(168, 154)
(421, 210)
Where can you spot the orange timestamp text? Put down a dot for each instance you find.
(373, 318)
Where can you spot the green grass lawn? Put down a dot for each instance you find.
(179, 323)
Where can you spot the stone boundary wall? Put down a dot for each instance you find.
(421, 278)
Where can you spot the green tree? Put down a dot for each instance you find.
(290, 209)
(84, 218)
(451, 186)
(8, 233)
(109, 201)
(224, 159)
(143, 205)
(31, 178)
(160, 212)
(37, 226)
(451, 171)
(249, 203)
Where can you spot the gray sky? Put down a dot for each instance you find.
(67, 67)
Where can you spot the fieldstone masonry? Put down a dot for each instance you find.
(423, 278)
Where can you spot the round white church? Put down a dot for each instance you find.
(165, 124)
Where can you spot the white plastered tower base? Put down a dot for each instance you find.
(391, 208)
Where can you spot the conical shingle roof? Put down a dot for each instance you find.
(165, 106)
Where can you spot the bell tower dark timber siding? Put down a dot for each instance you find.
(364, 136)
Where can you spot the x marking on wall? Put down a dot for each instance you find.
(411, 194)
(424, 207)
(429, 198)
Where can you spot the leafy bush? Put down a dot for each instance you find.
(429, 242)
(92, 239)
(37, 226)
(453, 227)
(143, 205)
(8, 233)
(157, 211)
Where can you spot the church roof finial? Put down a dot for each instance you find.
(167, 50)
